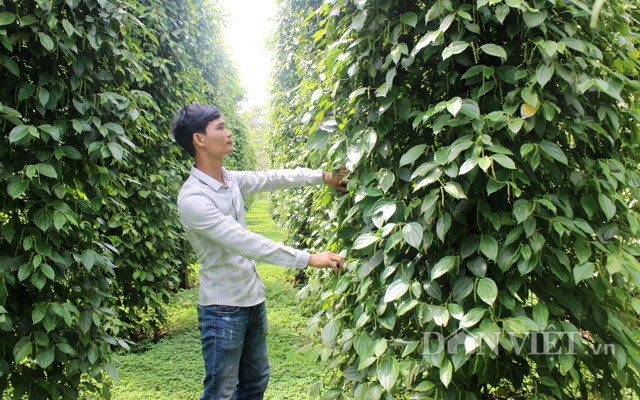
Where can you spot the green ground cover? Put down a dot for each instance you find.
(172, 368)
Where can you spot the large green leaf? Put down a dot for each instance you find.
(553, 151)
(7, 18)
(395, 290)
(494, 50)
(412, 155)
(487, 290)
(21, 351)
(364, 241)
(443, 266)
(607, 206)
(446, 373)
(412, 234)
(454, 48)
(388, 372)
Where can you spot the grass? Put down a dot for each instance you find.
(172, 368)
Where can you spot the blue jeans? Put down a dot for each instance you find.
(234, 348)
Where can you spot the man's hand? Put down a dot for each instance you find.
(326, 260)
(336, 179)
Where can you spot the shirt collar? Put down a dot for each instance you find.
(211, 182)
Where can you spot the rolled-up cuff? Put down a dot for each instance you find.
(317, 177)
(302, 260)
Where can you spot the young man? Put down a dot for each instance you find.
(231, 310)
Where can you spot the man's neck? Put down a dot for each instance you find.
(211, 167)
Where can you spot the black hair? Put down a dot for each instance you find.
(192, 119)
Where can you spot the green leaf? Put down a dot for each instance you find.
(544, 73)
(454, 48)
(440, 315)
(39, 312)
(329, 332)
(446, 373)
(471, 318)
(489, 247)
(59, 220)
(477, 266)
(431, 177)
(410, 19)
(46, 41)
(582, 272)
(554, 151)
(88, 259)
(18, 133)
(21, 351)
(412, 155)
(533, 19)
(112, 126)
(7, 18)
(473, 71)
(84, 321)
(494, 50)
(426, 40)
(386, 180)
(43, 96)
(614, 264)
(515, 124)
(504, 160)
(541, 316)
(364, 241)
(468, 166)
(549, 47)
(484, 163)
(358, 21)
(487, 290)
(17, 188)
(520, 325)
(111, 370)
(48, 271)
(502, 11)
(462, 288)
(396, 289)
(607, 206)
(521, 210)
(454, 105)
(11, 65)
(589, 205)
(47, 169)
(68, 28)
(442, 226)
(43, 220)
(71, 152)
(443, 266)
(388, 372)
(116, 150)
(412, 234)
(455, 190)
(45, 356)
(470, 108)
(469, 246)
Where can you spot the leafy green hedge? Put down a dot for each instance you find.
(494, 206)
(90, 240)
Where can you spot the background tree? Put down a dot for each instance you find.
(90, 240)
(495, 144)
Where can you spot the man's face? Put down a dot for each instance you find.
(217, 141)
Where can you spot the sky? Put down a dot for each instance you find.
(250, 23)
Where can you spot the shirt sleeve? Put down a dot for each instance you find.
(259, 181)
(198, 214)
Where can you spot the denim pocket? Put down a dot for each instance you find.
(224, 310)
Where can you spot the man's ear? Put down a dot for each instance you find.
(197, 139)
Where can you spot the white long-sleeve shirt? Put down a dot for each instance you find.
(212, 215)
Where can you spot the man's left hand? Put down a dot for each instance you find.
(336, 179)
